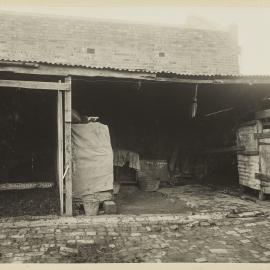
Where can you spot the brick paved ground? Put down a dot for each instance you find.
(166, 238)
(203, 234)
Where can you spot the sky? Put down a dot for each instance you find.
(253, 23)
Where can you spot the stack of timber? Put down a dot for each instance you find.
(254, 161)
(249, 159)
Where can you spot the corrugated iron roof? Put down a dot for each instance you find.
(4, 61)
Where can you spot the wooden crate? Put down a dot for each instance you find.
(254, 161)
(249, 159)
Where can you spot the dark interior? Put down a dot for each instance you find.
(150, 118)
(28, 137)
(154, 118)
(28, 151)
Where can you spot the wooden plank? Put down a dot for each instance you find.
(17, 63)
(60, 153)
(218, 112)
(261, 135)
(264, 167)
(245, 136)
(27, 185)
(261, 195)
(47, 69)
(64, 71)
(227, 149)
(266, 123)
(250, 153)
(262, 114)
(264, 143)
(262, 177)
(249, 123)
(68, 150)
(34, 85)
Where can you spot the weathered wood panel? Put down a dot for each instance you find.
(262, 135)
(249, 165)
(60, 153)
(29, 185)
(34, 85)
(262, 114)
(265, 163)
(68, 151)
(245, 136)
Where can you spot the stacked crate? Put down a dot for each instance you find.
(254, 160)
(249, 159)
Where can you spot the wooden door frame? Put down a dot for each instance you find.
(63, 89)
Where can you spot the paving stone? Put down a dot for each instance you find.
(250, 224)
(7, 255)
(2, 236)
(135, 234)
(76, 233)
(25, 248)
(5, 243)
(243, 231)
(201, 260)
(35, 253)
(245, 241)
(218, 251)
(204, 223)
(68, 250)
(17, 236)
(264, 259)
(174, 227)
(91, 233)
(85, 242)
(234, 233)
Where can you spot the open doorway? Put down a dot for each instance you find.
(28, 152)
(154, 121)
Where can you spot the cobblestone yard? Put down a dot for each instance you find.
(235, 231)
(164, 238)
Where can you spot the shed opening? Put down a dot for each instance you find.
(28, 152)
(188, 136)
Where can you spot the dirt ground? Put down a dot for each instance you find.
(32, 202)
(133, 201)
(183, 199)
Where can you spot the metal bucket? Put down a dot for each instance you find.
(90, 205)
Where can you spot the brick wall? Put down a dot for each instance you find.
(100, 43)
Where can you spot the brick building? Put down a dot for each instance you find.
(118, 45)
(143, 81)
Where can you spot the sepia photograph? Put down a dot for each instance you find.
(134, 132)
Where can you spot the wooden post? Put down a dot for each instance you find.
(68, 151)
(261, 195)
(60, 150)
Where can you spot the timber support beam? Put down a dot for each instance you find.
(67, 149)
